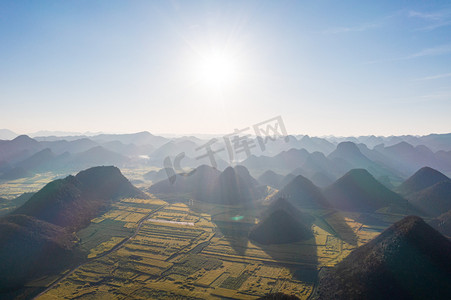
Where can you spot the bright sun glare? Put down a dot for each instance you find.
(217, 70)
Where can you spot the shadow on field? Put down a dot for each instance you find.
(338, 227)
(300, 256)
(235, 229)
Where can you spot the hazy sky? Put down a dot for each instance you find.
(327, 67)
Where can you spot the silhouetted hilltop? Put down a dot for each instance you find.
(302, 192)
(61, 146)
(434, 200)
(43, 161)
(108, 182)
(200, 183)
(46, 160)
(348, 156)
(244, 174)
(406, 158)
(436, 141)
(287, 179)
(358, 190)
(18, 148)
(128, 149)
(173, 148)
(280, 227)
(232, 186)
(313, 144)
(409, 260)
(37, 160)
(351, 153)
(73, 201)
(31, 248)
(23, 141)
(236, 185)
(316, 163)
(271, 179)
(139, 138)
(6, 134)
(98, 156)
(287, 206)
(423, 178)
(285, 160)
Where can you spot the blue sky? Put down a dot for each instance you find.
(327, 67)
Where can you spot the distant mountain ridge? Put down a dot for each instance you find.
(390, 159)
(270, 178)
(6, 134)
(349, 156)
(46, 160)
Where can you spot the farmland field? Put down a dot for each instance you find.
(196, 251)
(14, 188)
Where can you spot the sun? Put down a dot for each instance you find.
(217, 70)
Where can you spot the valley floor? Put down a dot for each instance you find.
(160, 249)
